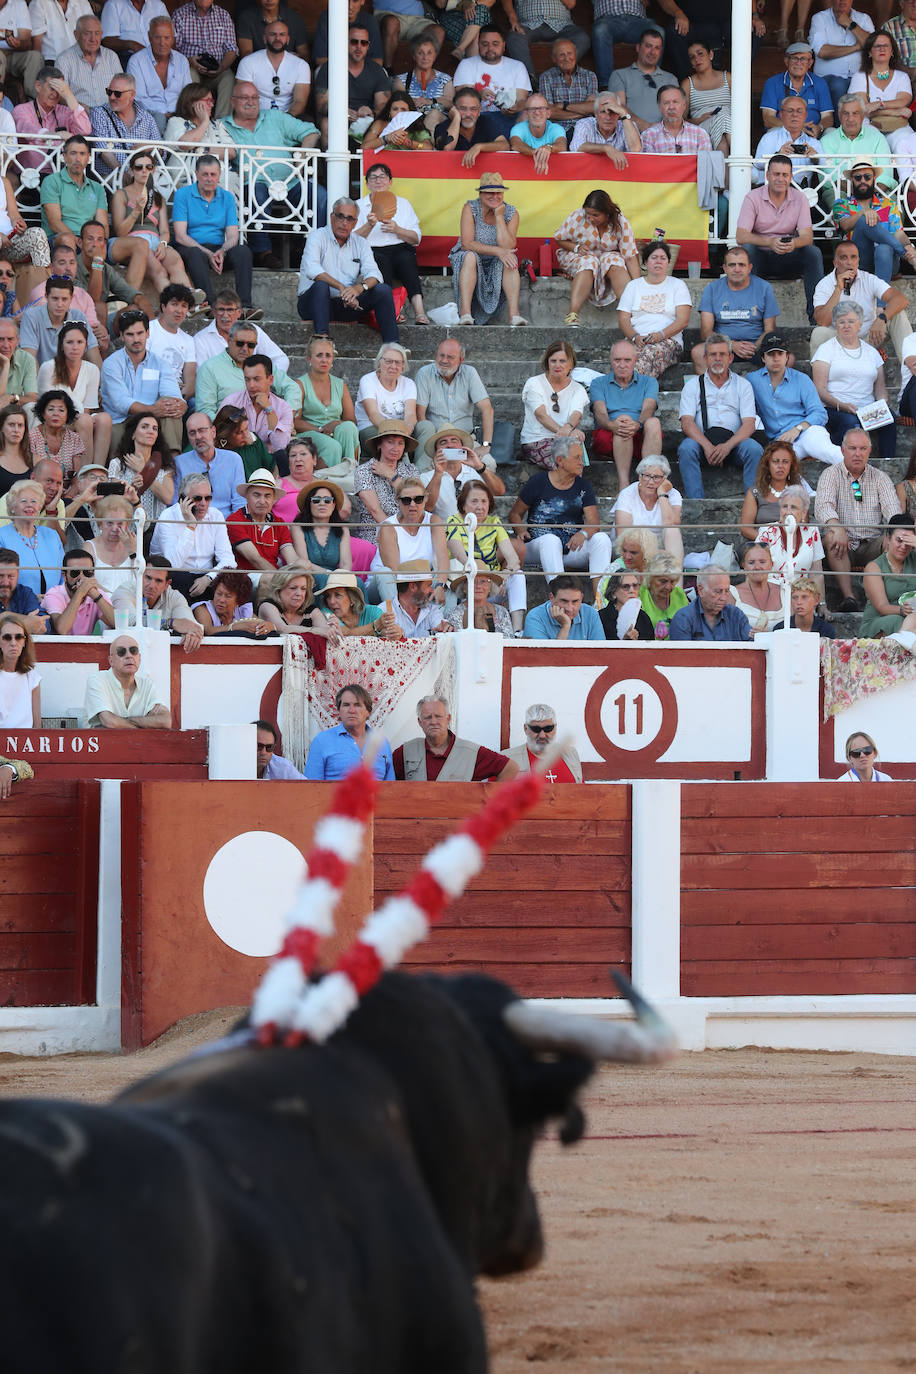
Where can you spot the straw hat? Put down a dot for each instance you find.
(305, 493)
(456, 572)
(492, 181)
(467, 440)
(260, 478)
(348, 582)
(391, 427)
(415, 570)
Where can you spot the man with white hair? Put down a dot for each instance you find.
(540, 733)
(161, 73)
(123, 116)
(339, 278)
(713, 616)
(439, 755)
(123, 698)
(609, 130)
(448, 392)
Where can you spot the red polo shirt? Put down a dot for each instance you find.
(266, 538)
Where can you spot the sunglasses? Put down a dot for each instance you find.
(650, 81)
(324, 500)
(59, 279)
(276, 85)
(131, 317)
(541, 729)
(123, 652)
(143, 167)
(856, 489)
(114, 90)
(268, 748)
(200, 500)
(359, 42)
(412, 500)
(857, 753)
(556, 401)
(347, 219)
(13, 639)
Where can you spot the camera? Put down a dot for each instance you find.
(111, 489)
(798, 147)
(207, 61)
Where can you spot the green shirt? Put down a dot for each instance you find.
(254, 456)
(77, 203)
(114, 286)
(219, 376)
(274, 129)
(23, 379)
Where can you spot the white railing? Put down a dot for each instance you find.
(276, 189)
(827, 184)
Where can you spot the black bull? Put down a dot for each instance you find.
(321, 1209)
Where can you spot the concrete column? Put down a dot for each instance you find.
(338, 101)
(232, 755)
(739, 181)
(108, 967)
(793, 703)
(656, 893)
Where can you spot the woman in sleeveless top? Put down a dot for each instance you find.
(138, 210)
(709, 97)
(328, 414)
(906, 490)
(778, 468)
(412, 533)
(484, 261)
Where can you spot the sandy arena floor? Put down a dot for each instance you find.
(734, 1211)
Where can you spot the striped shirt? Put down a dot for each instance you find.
(533, 13)
(583, 85)
(690, 138)
(487, 537)
(601, 8)
(835, 500)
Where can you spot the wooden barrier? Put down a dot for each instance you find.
(49, 870)
(798, 889)
(551, 911)
(135, 754)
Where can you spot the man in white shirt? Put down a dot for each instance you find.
(502, 82)
(16, 44)
(884, 307)
(160, 72)
(168, 340)
(214, 339)
(418, 615)
(125, 24)
(339, 278)
(718, 417)
(837, 36)
(192, 536)
(55, 25)
(283, 80)
(789, 138)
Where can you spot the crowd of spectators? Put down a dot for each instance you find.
(276, 505)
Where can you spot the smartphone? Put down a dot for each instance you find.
(798, 147)
(785, 238)
(111, 488)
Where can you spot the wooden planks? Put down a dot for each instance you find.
(49, 848)
(550, 913)
(798, 889)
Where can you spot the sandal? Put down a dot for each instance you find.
(516, 321)
(572, 320)
(421, 319)
(465, 319)
(781, 37)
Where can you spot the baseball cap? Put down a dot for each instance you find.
(771, 342)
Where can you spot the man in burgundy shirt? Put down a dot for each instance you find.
(253, 534)
(441, 756)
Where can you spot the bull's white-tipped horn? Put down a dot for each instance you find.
(541, 1028)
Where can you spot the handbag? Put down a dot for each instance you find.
(503, 443)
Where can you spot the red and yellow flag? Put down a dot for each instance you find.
(653, 191)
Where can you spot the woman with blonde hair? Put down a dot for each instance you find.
(328, 415)
(115, 546)
(37, 544)
(411, 533)
(661, 594)
(286, 600)
(862, 755)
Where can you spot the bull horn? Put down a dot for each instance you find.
(649, 1041)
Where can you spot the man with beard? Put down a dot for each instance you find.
(540, 733)
(448, 391)
(503, 82)
(870, 220)
(418, 615)
(283, 80)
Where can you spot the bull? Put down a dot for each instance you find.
(310, 1210)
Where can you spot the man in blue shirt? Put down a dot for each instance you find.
(17, 598)
(335, 752)
(536, 136)
(798, 79)
(223, 466)
(205, 226)
(713, 615)
(789, 406)
(339, 278)
(624, 403)
(738, 305)
(565, 615)
(135, 380)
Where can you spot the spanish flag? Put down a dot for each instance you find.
(653, 191)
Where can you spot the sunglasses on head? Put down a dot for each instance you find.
(131, 317)
(857, 753)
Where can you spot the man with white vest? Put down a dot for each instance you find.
(540, 733)
(440, 756)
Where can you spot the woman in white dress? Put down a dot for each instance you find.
(654, 311)
(757, 596)
(387, 393)
(69, 371)
(20, 683)
(849, 374)
(862, 755)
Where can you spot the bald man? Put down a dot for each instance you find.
(123, 698)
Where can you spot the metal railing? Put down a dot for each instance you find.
(826, 183)
(275, 189)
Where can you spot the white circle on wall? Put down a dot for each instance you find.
(631, 714)
(250, 885)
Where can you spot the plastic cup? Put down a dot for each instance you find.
(122, 620)
(154, 620)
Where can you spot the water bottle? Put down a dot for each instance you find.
(545, 259)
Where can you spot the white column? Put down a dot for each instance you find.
(108, 959)
(793, 683)
(232, 755)
(739, 179)
(656, 889)
(338, 101)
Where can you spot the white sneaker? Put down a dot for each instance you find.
(465, 319)
(516, 321)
